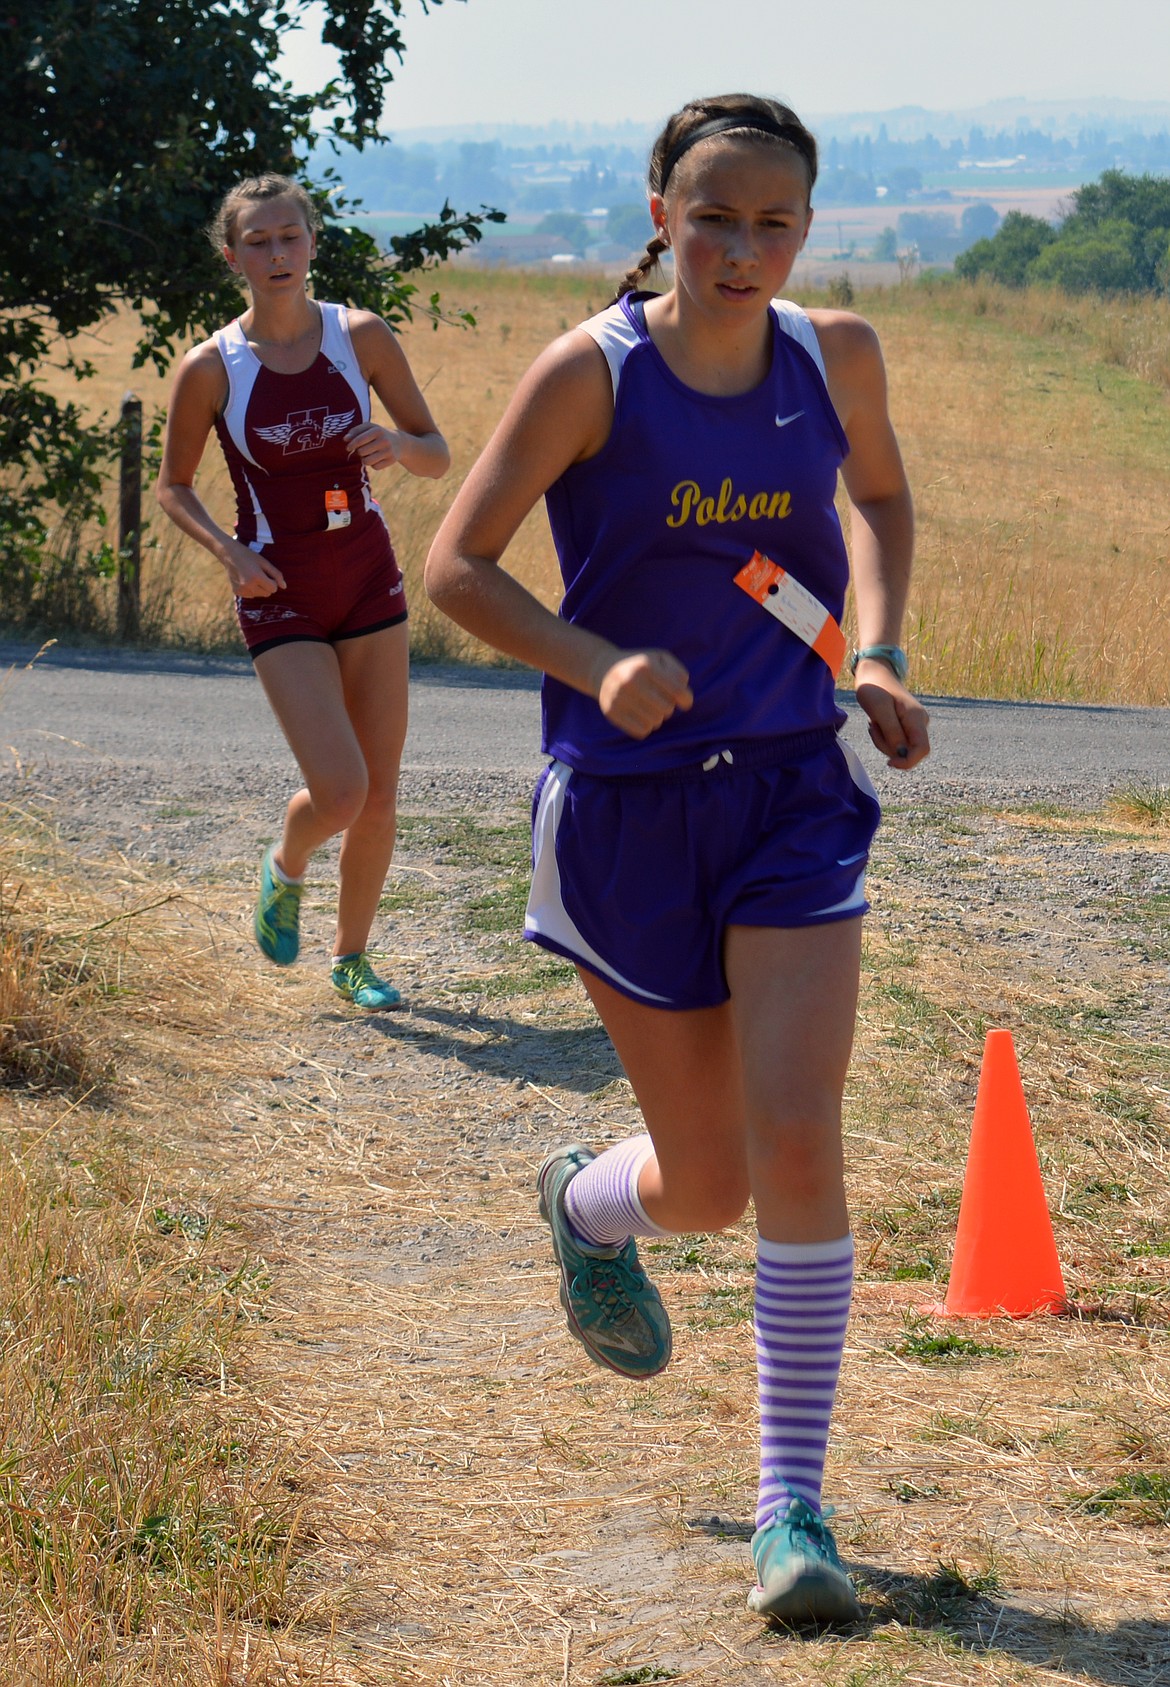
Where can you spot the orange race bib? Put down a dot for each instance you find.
(776, 591)
(337, 513)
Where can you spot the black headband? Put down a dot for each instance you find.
(764, 125)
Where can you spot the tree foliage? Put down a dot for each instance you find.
(1115, 239)
(567, 227)
(629, 225)
(1007, 254)
(123, 123)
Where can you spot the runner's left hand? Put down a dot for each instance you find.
(376, 446)
(898, 723)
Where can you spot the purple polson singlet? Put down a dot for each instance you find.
(651, 532)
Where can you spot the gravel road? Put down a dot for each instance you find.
(112, 737)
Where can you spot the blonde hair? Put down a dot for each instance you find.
(221, 231)
(741, 116)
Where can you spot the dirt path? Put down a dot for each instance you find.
(489, 1508)
(497, 1510)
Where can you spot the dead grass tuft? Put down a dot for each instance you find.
(40, 1043)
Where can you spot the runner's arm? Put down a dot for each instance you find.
(560, 414)
(414, 441)
(881, 529)
(199, 393)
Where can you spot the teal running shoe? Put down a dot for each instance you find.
(278, 915)
(355, 979)
(613, 1309)
(800, 1578)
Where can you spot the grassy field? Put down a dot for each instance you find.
(1036, 431)
(287, 1395)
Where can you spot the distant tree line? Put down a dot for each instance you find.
(1116, 239)
(530, 179)
(938, 236)
(857, 170)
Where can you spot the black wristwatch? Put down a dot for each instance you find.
(891, 654)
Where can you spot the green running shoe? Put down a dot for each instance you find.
(355, 979)
(278, 914)
(800, 1577)
(613, 1309)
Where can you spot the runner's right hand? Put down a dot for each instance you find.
(251, 575)
(640, 691)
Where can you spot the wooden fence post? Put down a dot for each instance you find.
(130, 519)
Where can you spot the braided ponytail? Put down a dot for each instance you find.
(633, 279)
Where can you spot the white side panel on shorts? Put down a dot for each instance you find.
(861, 779)
(856, 770)
(546, 913)
(855, 899)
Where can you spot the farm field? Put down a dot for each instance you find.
(1036, 431)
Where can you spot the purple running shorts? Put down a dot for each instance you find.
(637, 879)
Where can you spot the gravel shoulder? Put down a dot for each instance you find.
(115, 737)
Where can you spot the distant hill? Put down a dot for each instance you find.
(1062, 119)
(1059, 118)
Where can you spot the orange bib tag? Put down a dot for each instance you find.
(336, 510)
(797, 608)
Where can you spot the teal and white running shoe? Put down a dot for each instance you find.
(800, 1578)
(355, 979)
(613, 1309)
(278, 914)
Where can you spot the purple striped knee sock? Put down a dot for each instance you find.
(601, 1202)
(803, 1290)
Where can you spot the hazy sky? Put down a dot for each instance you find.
(533, 61)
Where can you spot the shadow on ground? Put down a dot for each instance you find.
(1130, 1653)
(580, 1059)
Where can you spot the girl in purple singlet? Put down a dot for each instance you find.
(701, 833)
(319, 597)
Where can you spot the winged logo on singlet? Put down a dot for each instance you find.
(306, 430)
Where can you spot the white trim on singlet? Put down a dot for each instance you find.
(798, 327)
(617, 336)
(337, 345)
(243, 367)
(263, 530)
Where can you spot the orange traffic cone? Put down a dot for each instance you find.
(1005, 1261)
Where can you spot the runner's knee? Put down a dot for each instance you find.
(801, 1152)
(339, 798)
(709, 1200)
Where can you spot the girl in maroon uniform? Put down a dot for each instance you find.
(320, 600)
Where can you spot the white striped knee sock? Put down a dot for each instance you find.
(601, 1202)
(803, 1291)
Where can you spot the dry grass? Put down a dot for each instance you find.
(151, 1523)
(1033, 428)
(1036, 430)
